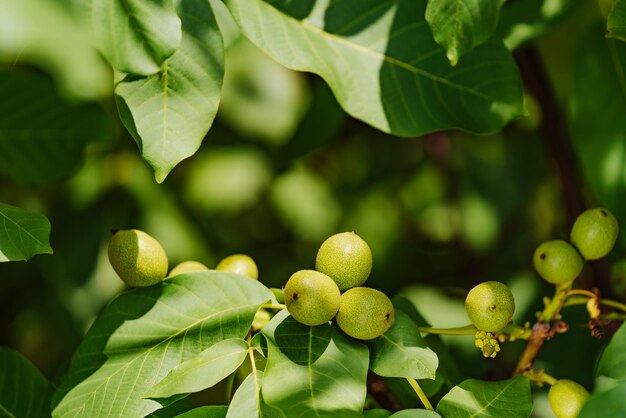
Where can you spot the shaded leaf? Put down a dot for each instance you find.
(313, 371)
(42, 137)
(401, 351)
(41, 32)
(173, 410)
(248, 402)
(135, 36)
(606, 404)
(22, 234)
(202, 371)
(616, 22)
(460, 25)
(383, 66)
(376, 413)
(206, 412)
(613, 360)
(169, 113)
(476, 398)
(24, 391)
(145, 333)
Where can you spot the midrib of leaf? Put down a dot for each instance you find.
(310, 371)
(6, 411)
(484, 408)
(393, 61)
(165, 90)
(6, 218)
(148, 351)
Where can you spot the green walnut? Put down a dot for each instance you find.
(567, 398)
(346, 258)
(137, 258)
(490, 306)
(240, 264)
(312, 298)
(557, 262)
(364, 313)
(594, 233)
(187, 267)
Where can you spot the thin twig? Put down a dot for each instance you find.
(420, 393)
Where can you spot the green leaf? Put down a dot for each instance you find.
(401, 351)
(135, 36)
(42, 136)
(23, 234)
(383, 66)
(596, 120)
(476, 398)
(41, 32)
(203, 371)
(461, 25)
(205, 412)
(313, 371)
(145, 333)
(376, 413)
(24, 391)
(616, 23)
(415, 413)
(170, 112)
(177, 408)
(613, 360)
(606, 404)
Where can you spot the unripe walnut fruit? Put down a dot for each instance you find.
(137, 257)
(557, 262)
(594, 233)
(365, 313)
(490, 306)
(240, 264)
(312, 298)
(567, 398)
(346, 258)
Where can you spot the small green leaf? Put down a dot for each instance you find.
(313, 371)
(42, 136)
(41, 32)
(461, 25)
(382, 64)
(24, 391)
(616, 23)
(476, 398)
(145, 333)
(606, 404)
(203, 371)
(135, 36)
(205, 412)
(22, 234)
(401, 351)
(613, 360)
(169, 113)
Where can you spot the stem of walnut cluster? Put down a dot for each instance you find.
(277, 306)
(466, 330)
(420, 393)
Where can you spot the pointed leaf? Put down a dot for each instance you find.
(203, 371)
(616, 23)
(205, 412)
(613, 360)
(460, 25)
(24, 391)
(384, 67)
(401, 351)
(169, 113)
(42, 136)
(145, 333)
(22, 234)
(476, 398)
(41, 32)
(135, 36)
(313, 371)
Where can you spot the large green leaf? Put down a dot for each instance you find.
(136, 36)
(415, 413)
(22, 234)
(206, 412)
(41, 32)
(606, 404)
(145, 333)
(596, 118)
(616, 23)
(460, 25)
(24, 392)
(169, 113)
(401, 352)
(476, 398)
(42, 137)
(383, 65)
(613, 360)
(313, 371)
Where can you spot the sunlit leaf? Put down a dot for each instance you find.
(313, 371)
(476, 398)
(415, 413)
(606, 404)
(383, 65)
(170, 112)
(145, 333)
(24, 391)
(616, 23)
(42, 136)
(460, 25)
(22, 234)
(613, 360)
(205, 412)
